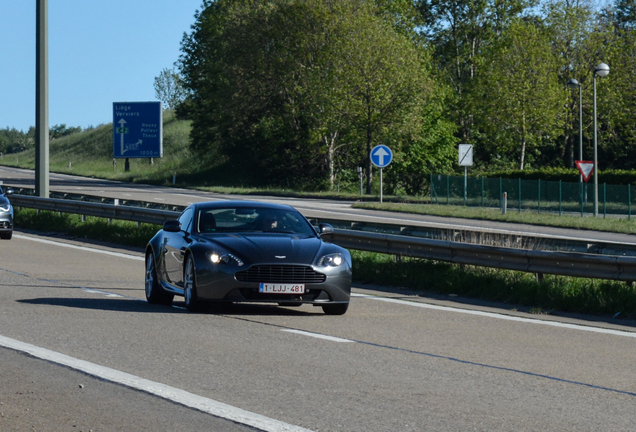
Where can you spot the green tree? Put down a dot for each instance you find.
(61, 130)
(169, 88)
(518, 98)
(291, 89)
(459, 30)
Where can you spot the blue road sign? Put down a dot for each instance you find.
(381, 156)
(137, 130)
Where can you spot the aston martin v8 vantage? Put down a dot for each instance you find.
(246, 252)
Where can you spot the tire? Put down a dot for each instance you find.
(6, 235)
(191, 298)
(154, 293)
(335, 309)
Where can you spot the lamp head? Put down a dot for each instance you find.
(573, 83)
(602, 70)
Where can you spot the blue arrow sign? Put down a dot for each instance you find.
(381, 156)
(137, 130)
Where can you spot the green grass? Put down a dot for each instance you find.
(553, 293)
(623, 225)
(89, 153)
(118, 231)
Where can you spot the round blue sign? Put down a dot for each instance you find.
(381, 156)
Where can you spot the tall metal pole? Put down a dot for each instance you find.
(595, 156)
(581, 128)
(42, 100)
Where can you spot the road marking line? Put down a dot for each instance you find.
(317, 335)
(117, 254)
(173, 394)
(500, 316)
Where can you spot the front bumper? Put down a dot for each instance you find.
(215, 285)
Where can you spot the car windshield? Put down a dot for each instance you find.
(243, 220)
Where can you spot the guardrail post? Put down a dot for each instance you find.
(504, 202)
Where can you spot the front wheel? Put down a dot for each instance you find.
(154, 293)
(192, 301)
(335, 309)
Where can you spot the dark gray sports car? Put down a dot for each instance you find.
(244, 251)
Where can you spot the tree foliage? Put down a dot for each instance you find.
(299, 91)
(169, 88)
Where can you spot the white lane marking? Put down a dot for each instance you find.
(173, 394)
(117, 254)
(104, 293)
(500, 316)
(317, 335)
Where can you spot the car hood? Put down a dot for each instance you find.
(269, 248)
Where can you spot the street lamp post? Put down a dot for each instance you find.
(601, 70)
(574, 84)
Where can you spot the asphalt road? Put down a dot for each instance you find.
(319, 208)
(394, 362)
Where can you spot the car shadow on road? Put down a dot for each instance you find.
(134, 305)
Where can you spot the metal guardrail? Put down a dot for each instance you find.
(533, 261)
(585, 265)
(109, 211)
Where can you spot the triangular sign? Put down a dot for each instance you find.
(586, 168)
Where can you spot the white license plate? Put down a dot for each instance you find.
(273, 288)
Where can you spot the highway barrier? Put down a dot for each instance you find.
(617, 266)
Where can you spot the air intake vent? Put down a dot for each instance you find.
(280, 274)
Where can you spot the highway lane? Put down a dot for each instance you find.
(320, 208)
(393, 362)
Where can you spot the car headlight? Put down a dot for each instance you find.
(225, 258)
(331, 260)
(5, 207)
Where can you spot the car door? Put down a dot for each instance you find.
(175, 244)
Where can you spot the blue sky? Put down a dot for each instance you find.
(100, 52)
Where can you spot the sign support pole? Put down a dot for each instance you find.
(465, 183)
(380, 185)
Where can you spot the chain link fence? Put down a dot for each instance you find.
(531, 195)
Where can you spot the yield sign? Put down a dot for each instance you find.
(586, 168)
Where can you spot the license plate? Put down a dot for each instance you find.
(281, 288)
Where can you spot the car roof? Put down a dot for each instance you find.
(241, 204)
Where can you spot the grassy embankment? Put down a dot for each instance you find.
(90, 154)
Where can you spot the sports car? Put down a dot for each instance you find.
(6, 213)
(246, 252)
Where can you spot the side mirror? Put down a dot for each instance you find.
(8, 191)
(172, 226)
(325, 228)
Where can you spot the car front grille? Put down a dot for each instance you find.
(280, 274)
